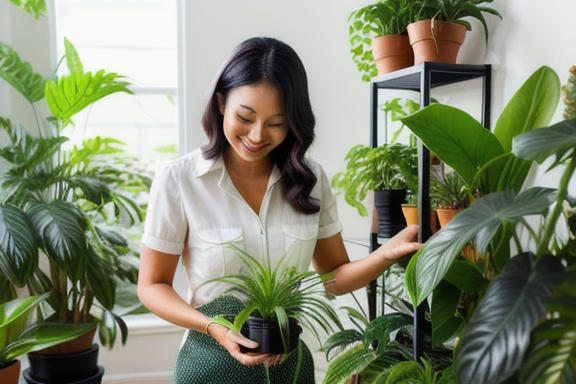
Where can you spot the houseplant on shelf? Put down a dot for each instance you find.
(449, 196)
(384, 170)
(378, 38)
(18, 338)
(518, 325)
(68, 205)
(440, 27)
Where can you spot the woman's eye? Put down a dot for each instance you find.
(243, 119)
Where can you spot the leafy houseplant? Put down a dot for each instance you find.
(518, 321)
(369, 24)
(440, 27)
(277, 295)
(449, 196)
(67, 205)
(17, 338)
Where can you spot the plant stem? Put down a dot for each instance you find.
(562, 193)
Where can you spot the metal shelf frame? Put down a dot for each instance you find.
(422, 78)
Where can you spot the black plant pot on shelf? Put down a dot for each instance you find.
(70, 368)
(267, 334)
(388, 204)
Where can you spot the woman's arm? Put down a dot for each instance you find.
(156, 292)
(330, 256)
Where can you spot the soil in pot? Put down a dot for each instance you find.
(10, 373)
(392, 52)
(267, 334)
(436, 41)
(388, 205)
(76, 367)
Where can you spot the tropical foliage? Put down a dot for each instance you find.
(513, 311)
(67, 205)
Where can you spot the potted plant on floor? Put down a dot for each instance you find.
(277, 300)
(441, 25)
(378, 38)
(18, 338)
(519, 327)
(68, 206)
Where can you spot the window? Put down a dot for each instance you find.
(136, 39)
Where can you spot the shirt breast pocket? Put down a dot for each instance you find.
(214, 257)
(300, 240)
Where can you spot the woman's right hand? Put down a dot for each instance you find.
(231, 342)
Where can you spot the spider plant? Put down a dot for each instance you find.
(279, 294)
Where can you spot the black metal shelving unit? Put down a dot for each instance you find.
(422, 78)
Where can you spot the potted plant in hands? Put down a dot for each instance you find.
(277, 300)
(18, 338)
(67, 205)
(440, 27)
(378, 38)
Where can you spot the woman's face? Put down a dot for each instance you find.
(254, 120)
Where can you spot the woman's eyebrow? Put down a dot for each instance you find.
(253, 111)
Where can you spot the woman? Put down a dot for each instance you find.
(251, 185)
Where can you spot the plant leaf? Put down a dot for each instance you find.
(497, 336)
(348, 364)
(18, 247)
(540, 144)
(20, 75)
(444, 308)
(455, 137)
(531, 107)
(36, 8)
(480, 222)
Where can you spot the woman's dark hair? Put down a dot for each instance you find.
(270, 60)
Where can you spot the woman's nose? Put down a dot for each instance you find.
(257, 133)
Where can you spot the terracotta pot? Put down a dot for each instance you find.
(392, 52)
(10, 373)
(435, 40)
(412, 216)
(446, 214)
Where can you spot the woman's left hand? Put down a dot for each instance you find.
(402, 244)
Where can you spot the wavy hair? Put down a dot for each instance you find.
(267, 59)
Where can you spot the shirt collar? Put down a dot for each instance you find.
(205, 166)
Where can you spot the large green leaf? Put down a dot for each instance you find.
(531, 107)
(455, 137)
(61, 227)
(18, 247)
(445, 321)
(540, 144)
(349, 363)
(552, 354)
(498, 334)
(15, 317)
(36, 8)
(20, 75)
(479, 222)
(72, 93)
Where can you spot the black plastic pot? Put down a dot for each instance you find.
(388, 205)
(70, 368)
(267, 334)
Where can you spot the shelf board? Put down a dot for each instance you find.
(440, 74)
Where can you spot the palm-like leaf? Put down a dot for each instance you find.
(479, 222)
(20, 75)
(349, 363)
(498, 333)
(18, 247)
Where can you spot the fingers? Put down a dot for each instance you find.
(240, 339)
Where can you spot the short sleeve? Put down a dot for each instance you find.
(329, 222)
(165, 227)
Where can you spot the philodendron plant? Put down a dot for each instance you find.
(69, 205)
(514, 312)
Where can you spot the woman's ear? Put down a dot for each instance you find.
(221, 102)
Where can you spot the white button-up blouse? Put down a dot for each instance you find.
(195, 211)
